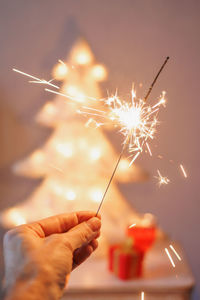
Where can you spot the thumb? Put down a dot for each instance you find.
(83, 233)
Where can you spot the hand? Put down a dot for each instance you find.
(38, 256)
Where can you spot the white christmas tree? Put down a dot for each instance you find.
(77, 160)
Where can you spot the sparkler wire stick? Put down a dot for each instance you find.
(111, 178)
(125, 143)
(149, 91)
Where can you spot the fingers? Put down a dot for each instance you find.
(60, 223)
(81, 254)
(82, 234)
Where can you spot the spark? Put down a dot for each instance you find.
(36, 79)
(162, 179)
(132, 225)
(56, 168)
(149, 149)
(60, 94)
(134, 158)
(162, 100)
(183, 170)
(142, 295)
(175, 252)
(170, 258)
(62, 62)
(92, 121)
(136, 120)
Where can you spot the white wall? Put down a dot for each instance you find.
(131, 37)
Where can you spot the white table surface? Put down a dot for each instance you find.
(159, 276)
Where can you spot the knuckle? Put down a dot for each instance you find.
(68, 245)
(86, 233)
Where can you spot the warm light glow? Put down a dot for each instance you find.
(74, 92)
(60, 71)
(96, 195)
(83, 57)
(57, 189)
(95, 153)
(49, 108)
(38, 157)
(136, 120)
(14, 217)
(70, 195)
(99, 72)
(142, 295)
(70, 90)
(123, 165)
(128, 115)
(65, 149)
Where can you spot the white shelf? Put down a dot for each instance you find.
(92, 280)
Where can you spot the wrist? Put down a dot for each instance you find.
(38, 285)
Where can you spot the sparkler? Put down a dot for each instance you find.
(36, 79)
(137, 122)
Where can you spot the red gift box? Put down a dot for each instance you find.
(143, 237)
(124, 261)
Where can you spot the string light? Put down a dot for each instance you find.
(65, 149)
(96, 195)
(70, 195)
(60, 71)
(14, 217)
(49, 108)
(95, 153)
(83, 57)
(38, 157)
(99, 72)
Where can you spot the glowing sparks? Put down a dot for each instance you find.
(162, 179)
(56, 168)
(170, 258)
(60, 70)
(37, 80)
(175, 252)
(183, 170)
(150, 153)
(162, 100)
(134, 158)
(136, 120)
(132, 225)
(142, 295)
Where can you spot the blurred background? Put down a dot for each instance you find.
(131, 38)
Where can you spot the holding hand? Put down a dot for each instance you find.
(38, 256)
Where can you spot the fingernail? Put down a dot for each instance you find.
(94, 223)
